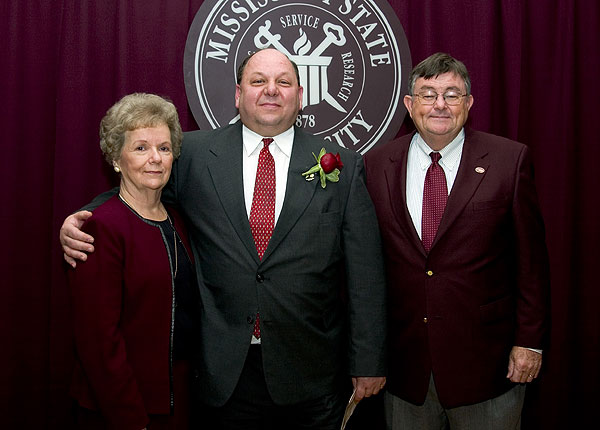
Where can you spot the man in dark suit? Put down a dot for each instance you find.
(466, 262)
(275, 253)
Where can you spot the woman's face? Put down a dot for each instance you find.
(146, 158)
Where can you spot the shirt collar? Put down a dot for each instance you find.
(450, 153)
(253, 141)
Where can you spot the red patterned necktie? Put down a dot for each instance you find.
(262, 212)
(435, 196)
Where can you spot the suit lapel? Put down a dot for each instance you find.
(298, 192)
(472, 170)
(226, 170)
(395, 173)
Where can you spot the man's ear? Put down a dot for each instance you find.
(470, 101)
(238, 91)
(408, 102)
(300, 93)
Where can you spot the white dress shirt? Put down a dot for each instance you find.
(417, 164)
(281, 150)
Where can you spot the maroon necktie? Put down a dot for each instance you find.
(262, 212)
(435, 195)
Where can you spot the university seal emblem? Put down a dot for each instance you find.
(352, 56)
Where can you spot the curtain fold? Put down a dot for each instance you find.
(533, 66)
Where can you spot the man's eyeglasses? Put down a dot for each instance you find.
(452, 98)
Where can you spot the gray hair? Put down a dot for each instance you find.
(438, 64)
(137, 110)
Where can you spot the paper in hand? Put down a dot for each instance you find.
(349, 410)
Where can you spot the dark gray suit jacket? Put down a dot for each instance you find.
(320, 285)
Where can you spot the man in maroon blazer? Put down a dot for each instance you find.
(466, 261)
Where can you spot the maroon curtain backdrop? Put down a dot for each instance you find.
(64, 62)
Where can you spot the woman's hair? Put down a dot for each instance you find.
(135, 111)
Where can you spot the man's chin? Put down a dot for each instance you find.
(275, 123)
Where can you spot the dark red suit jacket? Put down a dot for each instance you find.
(483, 288)
(122, 300)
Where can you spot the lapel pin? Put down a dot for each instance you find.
(310, 177)
(479, 169)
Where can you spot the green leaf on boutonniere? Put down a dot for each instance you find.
(313, 169)
(328, 165)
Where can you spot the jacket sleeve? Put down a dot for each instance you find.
(96, 289)
(365, 280)
(532, 258)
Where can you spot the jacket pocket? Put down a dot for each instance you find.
(497, 310)
(489, 204)
(329, 218)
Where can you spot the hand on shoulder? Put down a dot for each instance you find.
(75, 243)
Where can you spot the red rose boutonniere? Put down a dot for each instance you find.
(328, 165)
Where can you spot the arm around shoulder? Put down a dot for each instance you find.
(74, 242)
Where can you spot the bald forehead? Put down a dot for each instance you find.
(268, 53)
(267, 56)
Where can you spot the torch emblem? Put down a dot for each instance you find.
(312, 67)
